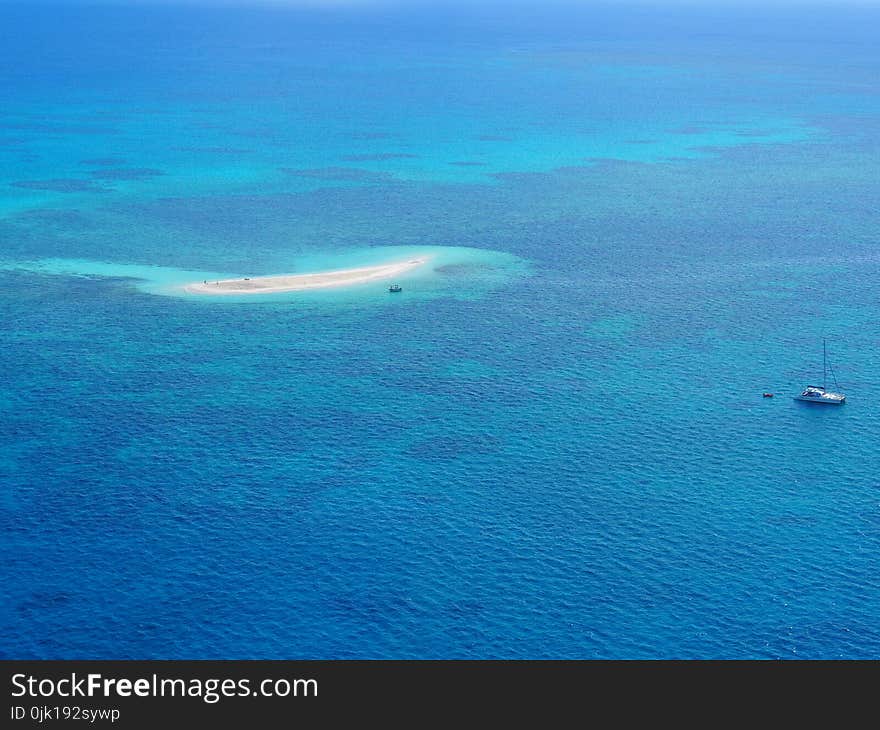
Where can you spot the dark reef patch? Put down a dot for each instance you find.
(53, 128)
(103, 162)
(214, 150)
(367, 136)
(689, 130)
(707, 149)
(60, 185)
(126, 173)
(351, 174)
(453, 446)
(379, 157)
(55, 220)
(459, 269)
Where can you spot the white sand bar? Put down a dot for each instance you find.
(301, 282)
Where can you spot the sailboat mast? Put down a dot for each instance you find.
(824, 367)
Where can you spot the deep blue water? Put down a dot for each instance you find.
(555, 448)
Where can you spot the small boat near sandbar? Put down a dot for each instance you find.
(394, 288)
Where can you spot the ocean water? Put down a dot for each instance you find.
(552, 444)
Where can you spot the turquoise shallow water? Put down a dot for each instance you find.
(446, 271)
(552, 444)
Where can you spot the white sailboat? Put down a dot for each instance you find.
(820, 394)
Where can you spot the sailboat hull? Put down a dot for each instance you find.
(828, 399)
(818, 394)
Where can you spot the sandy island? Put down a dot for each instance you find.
(300, 282)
